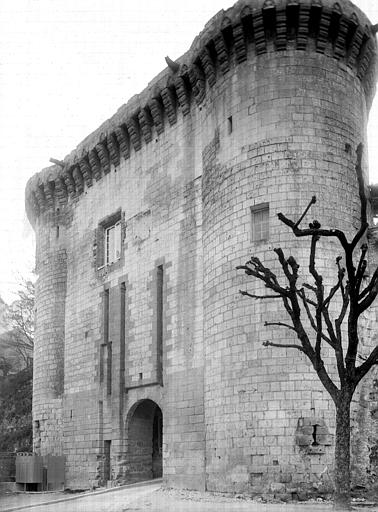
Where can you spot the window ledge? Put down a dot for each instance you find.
(103, 270)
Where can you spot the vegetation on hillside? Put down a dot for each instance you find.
(16, 411)
(16, 371)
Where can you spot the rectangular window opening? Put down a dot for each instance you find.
(112, 241)
(260, 222)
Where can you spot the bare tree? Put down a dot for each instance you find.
(350, 296)
(19, 318)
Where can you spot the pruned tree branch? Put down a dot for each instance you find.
(279, 324)
(247, 294)
(362, 370)
(255, 268)
(338, 286)
(362, 264)
(306, 302)
(283, 345)
(369, 288)
(319, 297)
(369, 297)
(335, 233)
(309, 287)
(361, 190)
(313, 201)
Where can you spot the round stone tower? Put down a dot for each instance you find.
(51, 268)
(295, 112)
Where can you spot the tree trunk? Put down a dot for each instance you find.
(342, 500)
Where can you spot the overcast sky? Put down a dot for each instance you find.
(65, 67)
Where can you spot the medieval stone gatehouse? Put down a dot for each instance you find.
(147, 361)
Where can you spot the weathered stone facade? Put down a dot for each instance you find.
(265, 108)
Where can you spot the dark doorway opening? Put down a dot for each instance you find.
(145, 442)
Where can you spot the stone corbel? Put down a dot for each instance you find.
(355, 44)
(340, 43)
(325, 21)
(86, 171)
(69, 181)
(303, 24)
(123, 141)
(134, 132)
(281, 29)
(145, 125)
(95, 164)
(169, 105)
(157, 115)
(61, 189)
(222, 53)
(365, 58)
(78, 178)
(198, 83)
(208, 66)
(239, 42)
(113, 148)
(103, 154)
(183, 95)
(259, 33)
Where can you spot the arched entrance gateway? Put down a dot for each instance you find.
(145, 441)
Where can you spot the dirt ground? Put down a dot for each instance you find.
(188, 501)
(150, 497)
(8, 499)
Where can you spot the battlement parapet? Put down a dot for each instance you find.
(249, 29)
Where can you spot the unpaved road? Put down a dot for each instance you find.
(113, 501)
(149, 497)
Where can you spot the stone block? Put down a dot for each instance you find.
(277, 487)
